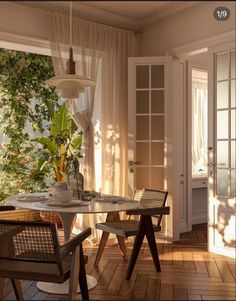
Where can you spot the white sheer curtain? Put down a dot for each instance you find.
(199, 127)
(98, 46)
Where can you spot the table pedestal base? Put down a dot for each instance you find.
(63, 288)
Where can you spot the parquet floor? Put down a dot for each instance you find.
(189, 272)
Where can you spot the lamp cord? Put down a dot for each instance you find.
(70, 23)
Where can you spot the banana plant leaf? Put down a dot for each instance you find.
(61, 122)
(48, 144)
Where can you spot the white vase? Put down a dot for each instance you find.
(60, 193)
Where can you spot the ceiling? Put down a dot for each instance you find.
(132, 15)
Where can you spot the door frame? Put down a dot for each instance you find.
(189, 183)
(182, 53)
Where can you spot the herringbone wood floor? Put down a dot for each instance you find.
(189, 272)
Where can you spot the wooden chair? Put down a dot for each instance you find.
(31, 251)
(152, 204)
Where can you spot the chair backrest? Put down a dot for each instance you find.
(28, 241)
(151, 198)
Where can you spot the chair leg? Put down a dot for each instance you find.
(82, 277)
(136, 248)
(74, 273)
(17, 289)
(152, 242)
(101, 247)
(111, 216)
(122, 247)
(2, 284)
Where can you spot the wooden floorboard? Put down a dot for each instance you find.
(189, 272)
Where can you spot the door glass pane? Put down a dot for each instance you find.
(157, 76)
(222, 124)
(222, 95)
(233, 124)
(233, 64)
(232, 93)
(142, 127)
(157, 153)
(142, 152)
(142, 76)
(157, 102)
(142, 177)
(233, 179)
(233, 154)
(222, 66)
(222, 154)
(157, 132)
(142, 102)
(222, 183)
(157, 178)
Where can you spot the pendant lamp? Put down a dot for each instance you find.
(70, 85)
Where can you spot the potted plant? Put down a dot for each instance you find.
(60, 151)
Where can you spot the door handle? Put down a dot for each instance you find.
(211, 164)
(221, 164)
(131, 163)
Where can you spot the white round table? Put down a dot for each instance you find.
(67, 215)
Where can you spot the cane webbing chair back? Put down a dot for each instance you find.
(150, 198)
(154, 199)
(34, 242)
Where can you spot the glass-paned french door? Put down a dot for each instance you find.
(149, 125)
(225, 124)
(221, 188)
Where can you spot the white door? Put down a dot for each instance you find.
(150, 137)
(221, 199)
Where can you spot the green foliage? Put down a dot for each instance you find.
(61, 149)
(24, 100)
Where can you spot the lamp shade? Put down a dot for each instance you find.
(69, 85)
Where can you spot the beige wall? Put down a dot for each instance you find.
(199, 60)
(23, 20)
(158, 39)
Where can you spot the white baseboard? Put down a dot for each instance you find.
(199, 217)
(183, 227)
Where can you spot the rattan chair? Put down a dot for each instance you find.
(152, 204)
(31, 251)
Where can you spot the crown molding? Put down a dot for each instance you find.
(85, 12)
(176, 11)
(202, 45)
(168, 13)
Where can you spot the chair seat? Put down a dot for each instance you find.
(122, 228)
(37, 270)
(32, 270)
